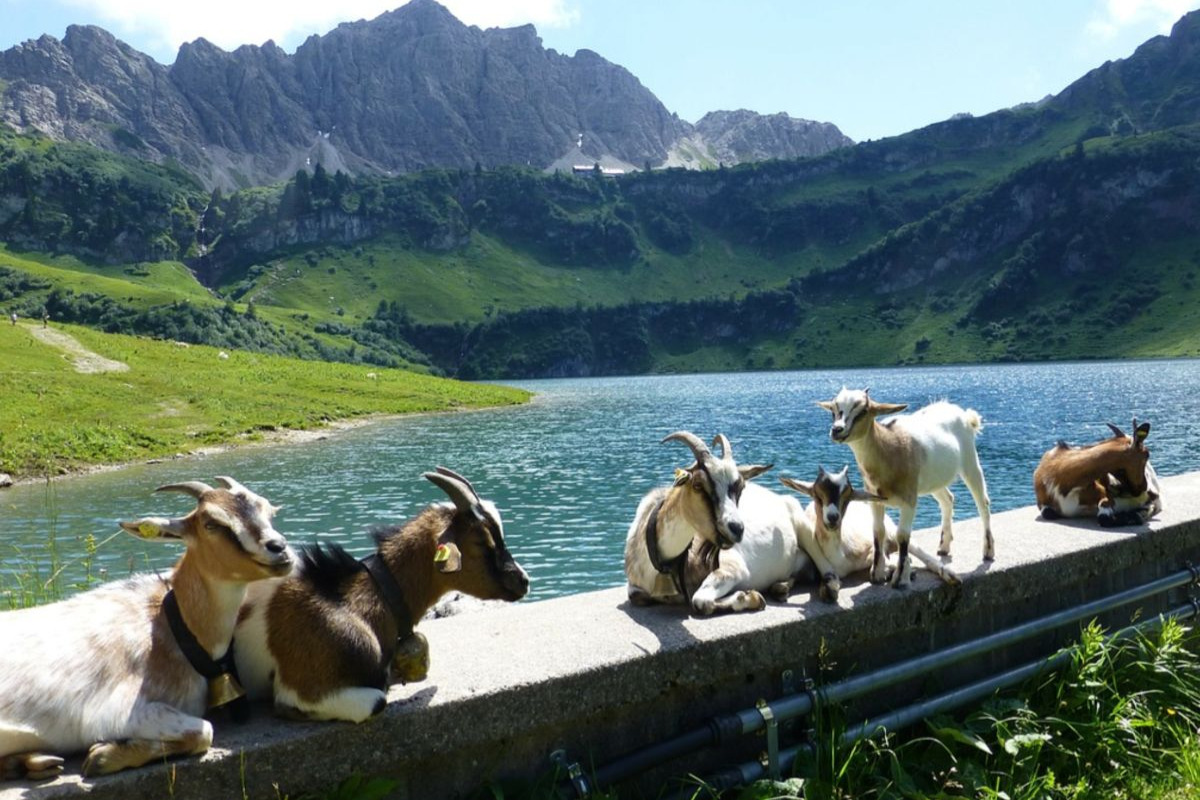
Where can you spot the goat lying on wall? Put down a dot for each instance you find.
(327, 641)
(838, 534)
(106, 670)
(1111, 480)
(909, 456)
(712, 538)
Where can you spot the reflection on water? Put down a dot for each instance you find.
(567, 471)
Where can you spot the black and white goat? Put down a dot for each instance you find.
(909, 456)
(712, 538)
(838, 535)
(327, 642)
(110, 670)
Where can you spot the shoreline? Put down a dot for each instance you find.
(277, 437)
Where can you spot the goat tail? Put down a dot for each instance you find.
(973, 420)
(935, 565)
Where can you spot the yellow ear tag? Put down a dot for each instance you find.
(680, 472)
(442, 554)
(147, 530)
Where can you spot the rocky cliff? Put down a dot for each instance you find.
(736, 137)
(411, 89)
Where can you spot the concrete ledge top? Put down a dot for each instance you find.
(528, 666)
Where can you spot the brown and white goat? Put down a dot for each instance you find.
(1111, 480)
(838, 536)
(712, 538)
(325, 643)
(102, 671)
(909, 456)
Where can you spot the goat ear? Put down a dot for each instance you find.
(681, 476)
(447, 557)
(752, 471)
(865, 497)
(155, 529)
(827, 405)
(1140, 433)
(1115, 430)
(799, 486)
(886, 408)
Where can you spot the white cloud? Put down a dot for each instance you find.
(163, 26)
(1120, 14)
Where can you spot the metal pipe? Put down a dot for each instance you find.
(723, 727)
(972, 693)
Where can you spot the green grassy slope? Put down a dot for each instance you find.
(174, 399)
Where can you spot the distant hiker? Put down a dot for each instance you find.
(13, 317)
(45, 318)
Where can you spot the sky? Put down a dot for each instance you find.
(874, 68)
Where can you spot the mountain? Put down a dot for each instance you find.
(1066, 228)
(737, 137)
(411, 89)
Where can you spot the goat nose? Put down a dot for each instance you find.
(736, 529)
(275, 546)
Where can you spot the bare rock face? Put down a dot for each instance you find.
(413, 88)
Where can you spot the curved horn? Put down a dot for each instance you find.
(230, 484)
(194, 488)
(699, 448)
(455, 489)
(726, 449)
(449, 473)
(1116, 431)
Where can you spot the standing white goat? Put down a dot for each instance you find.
(713, 538)
(909, 456)
(105, 671)
(838, 534)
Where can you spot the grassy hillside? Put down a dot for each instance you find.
(174, 399)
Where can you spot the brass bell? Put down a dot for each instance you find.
(411, 661)
(224, 689)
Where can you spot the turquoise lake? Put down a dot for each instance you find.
(568, 470)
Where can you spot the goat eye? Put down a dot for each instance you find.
(214, 527)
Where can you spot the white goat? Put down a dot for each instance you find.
(327, 641)
(713, 538)
(838, 535)
(909, 456)
(103, 670)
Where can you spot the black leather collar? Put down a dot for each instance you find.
(390, 592)
(209, 668)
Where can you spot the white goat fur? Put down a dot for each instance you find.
(838, 534)
(101, 670)
(763, 554)
(909, 456)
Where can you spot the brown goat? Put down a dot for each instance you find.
(324, 642)
(1111, 480)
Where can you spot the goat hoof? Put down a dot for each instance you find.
(752, 601)
(30, 766)
(101, 759)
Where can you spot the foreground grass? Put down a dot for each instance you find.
(1120, 722)
(175, 399)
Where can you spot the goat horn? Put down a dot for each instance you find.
(230, 484)
(194, 488)
(458, 491)
(1116, 431)
(449, 473)
(699, 448)
(726, 449)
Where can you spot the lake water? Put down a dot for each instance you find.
(568, 470)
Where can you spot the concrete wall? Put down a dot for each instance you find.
(598, 677)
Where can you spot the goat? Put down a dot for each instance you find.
(111, 670)
(838, 536)
(909, 456)
(1111, 480)
(712, 538)
(327, 642)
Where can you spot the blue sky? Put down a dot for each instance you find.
(875, 68)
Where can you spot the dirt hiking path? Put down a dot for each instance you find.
(84, 360)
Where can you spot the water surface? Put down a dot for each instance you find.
(567, 470)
